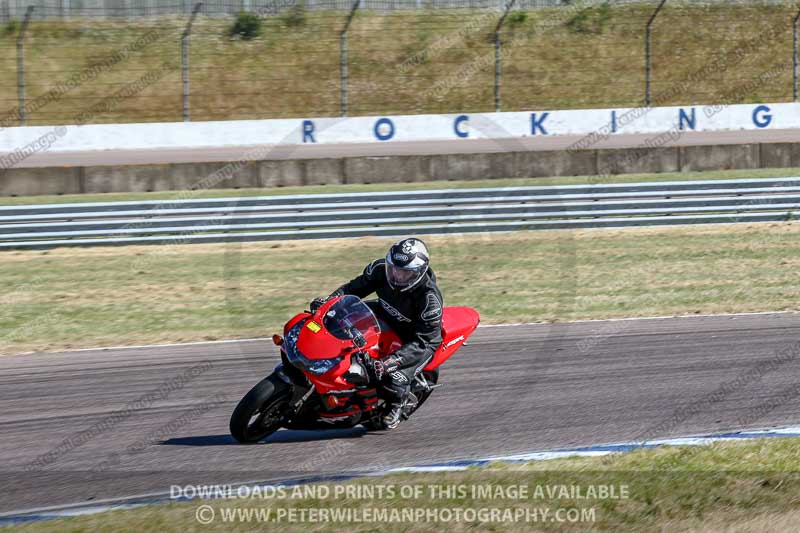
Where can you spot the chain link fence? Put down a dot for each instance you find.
(337, 57)
(129, 9)
(145, 8)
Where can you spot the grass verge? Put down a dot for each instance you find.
(743, 487)
(383, 187)
(68, 298)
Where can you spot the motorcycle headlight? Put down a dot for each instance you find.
(320, 366)
(293, 355)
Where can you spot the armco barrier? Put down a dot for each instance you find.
(398, 213)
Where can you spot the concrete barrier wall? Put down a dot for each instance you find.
(592, 125)
(583, 156)
(531, 164)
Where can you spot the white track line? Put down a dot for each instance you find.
(605, 449)
(635, 318)
(80, 509)
(165, 345)
(515, 324)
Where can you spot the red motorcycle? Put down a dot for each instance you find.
(325, 380)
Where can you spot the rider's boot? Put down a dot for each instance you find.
(391, 418)
(397, 391)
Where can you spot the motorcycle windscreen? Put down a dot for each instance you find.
(349, 317)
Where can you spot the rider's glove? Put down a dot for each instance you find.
(384, 366)
(316, 303)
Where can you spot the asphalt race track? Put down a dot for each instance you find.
(460, 146)
(513, 389)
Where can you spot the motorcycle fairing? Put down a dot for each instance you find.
(458, 323)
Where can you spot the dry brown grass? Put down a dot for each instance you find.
(720, 523)
(130, 295)
(416, 62)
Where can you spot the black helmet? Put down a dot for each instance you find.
(406, 263)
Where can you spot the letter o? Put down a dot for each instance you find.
(377, 129)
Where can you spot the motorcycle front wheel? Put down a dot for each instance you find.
(260, 413)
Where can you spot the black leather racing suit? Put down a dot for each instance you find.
(415, 315)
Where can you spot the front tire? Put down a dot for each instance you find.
(373, 424)
(260, 413)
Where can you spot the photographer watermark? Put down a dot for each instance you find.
(206, 514)
(401, 502)
(41, 144)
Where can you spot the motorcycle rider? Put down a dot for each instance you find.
(410, 302)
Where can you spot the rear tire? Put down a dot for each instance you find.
(260, 413)
(432, 376)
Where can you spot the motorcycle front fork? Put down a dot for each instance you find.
(300, 393)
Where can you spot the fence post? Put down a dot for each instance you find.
(794, 55)
(647, 65)
(185, 59)
(343, 54)
(497, 69)
(21, 64)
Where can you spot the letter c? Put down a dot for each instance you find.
(461, 119)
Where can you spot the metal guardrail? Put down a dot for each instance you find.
(285, 217)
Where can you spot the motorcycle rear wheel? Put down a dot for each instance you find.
(260, 413)
(432, 377)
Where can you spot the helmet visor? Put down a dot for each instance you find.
(402, 277)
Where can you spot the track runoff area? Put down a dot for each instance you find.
(605, 402)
